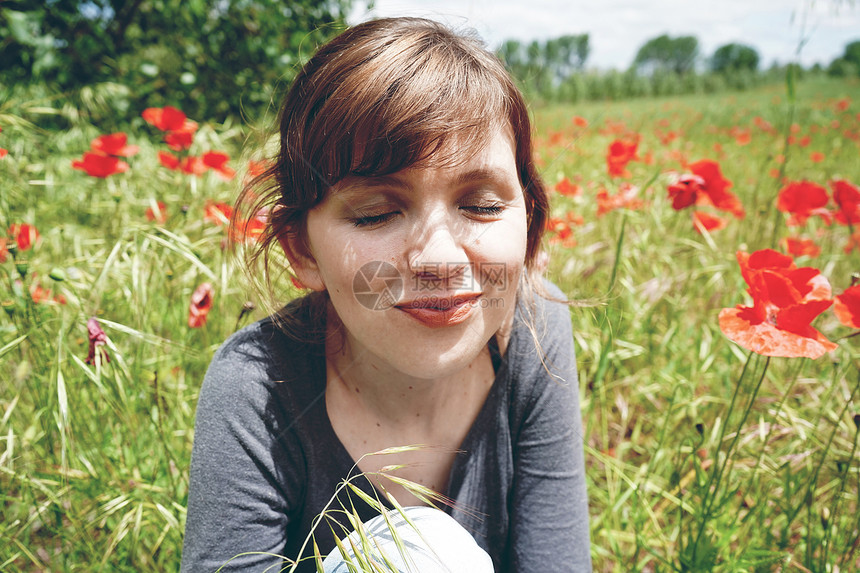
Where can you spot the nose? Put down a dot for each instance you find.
(438, 254)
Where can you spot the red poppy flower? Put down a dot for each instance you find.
(217, 160)
(564, 237)
(685, 191)
(218, 213)
(843, 104)
(201, 304)
(157, 213)
(180, 139)
(764, 125)
(785, 301)
(619, 154)
(250, 230)
(568, 189)
(3, 153)
(193, 166)
(666, 137)
(816, 157)
(256, 168)
(561, 229)
(168, 160)
(114, 144)
(798, 247)
(97, 338)
(166, 118)
(98, 165)
(706, 222)
(40, 294)
(25, 235)
(579, 121)
(715, 190)
(742, 136)
(4, 250)
(625, 198)
(802, 200)
(847, 199)
(847, 307)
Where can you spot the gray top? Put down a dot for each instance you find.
(266, 459)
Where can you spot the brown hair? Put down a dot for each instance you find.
(378, 98)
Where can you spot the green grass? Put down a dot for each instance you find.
(94, 458)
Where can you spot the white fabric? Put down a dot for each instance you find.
(436, 544)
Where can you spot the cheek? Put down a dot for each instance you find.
(501, 256)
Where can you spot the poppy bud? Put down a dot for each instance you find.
(21, 267)
(8, 306)
(201, 304)
(97, 338)
(700, 428)
(58, 274)
(857, 421)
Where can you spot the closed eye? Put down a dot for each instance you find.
(483, 210)
(372, 220)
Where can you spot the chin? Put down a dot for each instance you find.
(434, 353)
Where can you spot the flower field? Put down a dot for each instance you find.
(713, 241)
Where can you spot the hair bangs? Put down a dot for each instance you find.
(419, 102)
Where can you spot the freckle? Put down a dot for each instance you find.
(357, 391)
(417, 414)
(377, 425)
(410, 387)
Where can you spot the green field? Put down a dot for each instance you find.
(701, 455)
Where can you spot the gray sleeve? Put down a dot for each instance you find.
(549, 506)
(243, 479)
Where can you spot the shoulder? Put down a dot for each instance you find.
(270, 350)
(541, 356)
(543, 318)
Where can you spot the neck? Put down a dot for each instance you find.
(393, 397)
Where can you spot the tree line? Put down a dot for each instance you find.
(555, 69)
(222, 58)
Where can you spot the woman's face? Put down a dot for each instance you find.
(422, 266)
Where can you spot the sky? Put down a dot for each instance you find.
(617, 28)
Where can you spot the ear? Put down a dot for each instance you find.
(302, 262)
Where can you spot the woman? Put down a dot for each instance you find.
(405, 198)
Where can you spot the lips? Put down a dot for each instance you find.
(437, 312)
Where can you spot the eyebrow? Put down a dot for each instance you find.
(482, 174)
(358, 184)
